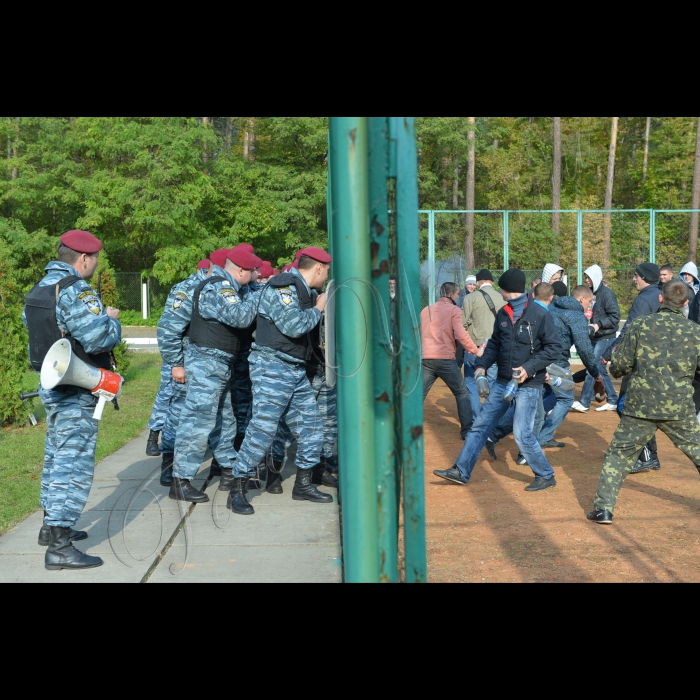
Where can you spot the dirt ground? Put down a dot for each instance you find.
(491, 530)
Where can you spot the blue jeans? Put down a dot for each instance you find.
(599, 347)
(565, 400)
(526, 402)
(470, 382)
(505, 427)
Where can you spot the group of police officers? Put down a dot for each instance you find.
(243, 375)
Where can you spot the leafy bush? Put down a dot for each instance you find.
(135, 318)
(123, 357)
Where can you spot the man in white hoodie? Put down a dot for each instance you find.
(552, 273)
(689, 274)
(605, 323)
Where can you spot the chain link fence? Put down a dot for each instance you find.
(129, 287)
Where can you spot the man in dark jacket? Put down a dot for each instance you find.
(569, 316)
(605, 322)
(646, 280)
(661, 355)
(524, 341)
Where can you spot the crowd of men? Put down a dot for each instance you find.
(243, 376)
(516, 355)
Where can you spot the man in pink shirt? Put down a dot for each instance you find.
(441, 329)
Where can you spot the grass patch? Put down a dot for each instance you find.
(22, 448)
(135, 318)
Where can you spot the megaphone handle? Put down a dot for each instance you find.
(97, 415)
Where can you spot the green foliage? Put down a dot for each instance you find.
(135, 318)
(123, 357)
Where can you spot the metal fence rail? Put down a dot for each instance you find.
(129, 286)
(528, 239)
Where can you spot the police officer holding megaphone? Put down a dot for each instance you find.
(70, 337)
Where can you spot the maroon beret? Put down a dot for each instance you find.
(315, 254)
(287, 267)
(81, 242)
(299, 254)
(244, 259)
(266, 270)
(245, 246)
(218, 257)
(203, 264)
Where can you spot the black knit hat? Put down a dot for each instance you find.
(512, 281)
(484, 275)
(649, 272)
(560, 289)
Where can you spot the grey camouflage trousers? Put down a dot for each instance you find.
(161, 406)
(69, 454)
(207, 417)
(280, 389)
(243, 392)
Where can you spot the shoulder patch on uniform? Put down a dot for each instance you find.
(92, 301)
(225, 283)
(230, 296)
(286, 295)
(179, 300)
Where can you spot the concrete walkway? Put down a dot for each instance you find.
(143, 536)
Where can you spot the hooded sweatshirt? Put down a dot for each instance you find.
(606, 311)
(549, 270)
(691, 269)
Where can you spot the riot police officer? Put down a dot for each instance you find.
(63, 304)
(282, 348)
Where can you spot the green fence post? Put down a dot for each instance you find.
(652, 236)
(579, 246)
(384, 453)
(351, 247)
(506, 241)
(410, 389)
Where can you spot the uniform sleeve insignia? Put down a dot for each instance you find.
(225, 283)
(230, 296)
(179, 300)
(286, 295)
(92, 301)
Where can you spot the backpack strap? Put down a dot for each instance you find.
(489, 303)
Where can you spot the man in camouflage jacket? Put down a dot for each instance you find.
(660, 353)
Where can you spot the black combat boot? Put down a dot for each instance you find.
(152, 444)
(61, 554)
(304, 490)
(166, 469)
(182, 490)
(45, 534)
(214, 467)
(331, 464)
(321, 475)
(237, 501)
(274, 478)
(226, 481)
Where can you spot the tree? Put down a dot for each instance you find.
(556, 179)
(471, 170)
(695, 199)
(610, 181)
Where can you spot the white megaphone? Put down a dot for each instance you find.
(61, 366)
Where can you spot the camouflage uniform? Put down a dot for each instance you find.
(281, 387)
(208, 409)
(161, 405)
(71, 431)
(173, 343)
(661, 353)
(327, 399)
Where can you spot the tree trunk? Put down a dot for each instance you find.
(205, 155)
(455, 188)
(556, 180)
(609, 192)
(229, 133)
(646, 149)
(695, 201)
(469, 240)
(249, 139)
(15, 150)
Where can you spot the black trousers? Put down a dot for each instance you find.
(448, 371)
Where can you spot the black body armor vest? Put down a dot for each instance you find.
(43, 328)
(269, 336)
(205, 333)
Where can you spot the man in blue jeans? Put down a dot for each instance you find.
(525, 340)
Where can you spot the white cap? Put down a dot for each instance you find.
(471, 279)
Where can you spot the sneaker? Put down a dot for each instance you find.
(451, 474)
(578, 406)
(540, 484)
(491, 447)
(650, 465)
(552, 443)
(521, 460)
(602, 517)
(606, 407)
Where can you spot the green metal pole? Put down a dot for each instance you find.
(384, 450)
(351, 247)
(652, 236)
(506, 241)
(431, 257)
(410, 389)
(579, 246)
